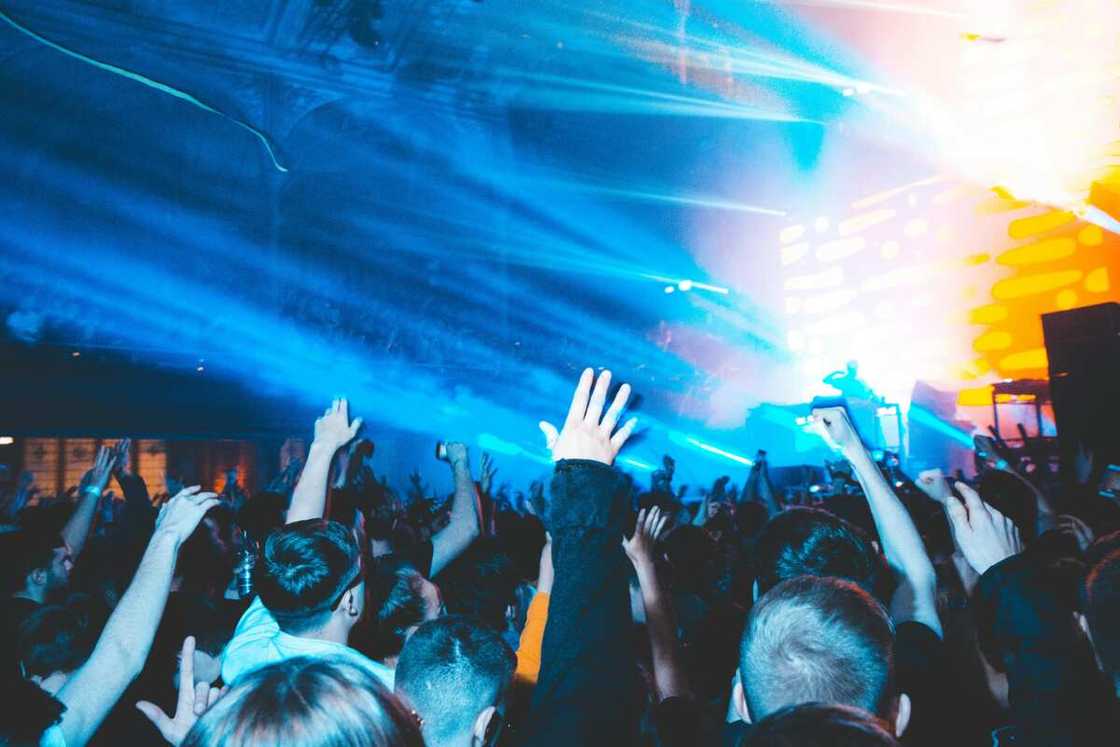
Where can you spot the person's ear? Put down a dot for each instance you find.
(486, 726)
(739, 697)
(902, 718)
(754, 591)
(352, 608)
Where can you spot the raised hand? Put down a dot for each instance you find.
(456, 453)
(933, 483)
(639, 548)
(95, 480)
(334, 429)
(833, 424)
(23, 493)
(181, 515)
(587, 432)
(984, 535)
(487, 473)
(194, 700)
(121, 450)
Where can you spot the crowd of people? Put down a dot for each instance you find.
(326, 611)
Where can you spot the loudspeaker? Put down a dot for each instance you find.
(1083, 347)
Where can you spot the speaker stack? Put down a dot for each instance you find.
(1083, 347)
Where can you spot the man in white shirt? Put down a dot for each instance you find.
(309, 579)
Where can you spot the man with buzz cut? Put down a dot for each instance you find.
(454, 673)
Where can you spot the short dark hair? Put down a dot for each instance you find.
(449, 671)
(813, 639)
(303, 571)
(814, 542)
(481, 583)
(1102, 612)
(821, 725)
(54, 638)
(307, 702)
(24, 551)
(395, 604)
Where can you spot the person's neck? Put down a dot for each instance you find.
(330, 632)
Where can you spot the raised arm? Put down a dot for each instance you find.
(332, 431)
(464, 527)
(92, 691)
(668, 667)
(532, 635)
(76, 531)
(916, 597)
(584, 694)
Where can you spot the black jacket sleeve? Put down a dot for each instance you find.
(1024, 614)
(585, 694)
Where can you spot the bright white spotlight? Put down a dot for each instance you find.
(6, 440)
(685, 285)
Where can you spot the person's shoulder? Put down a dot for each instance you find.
(256, 619)
(386, 675)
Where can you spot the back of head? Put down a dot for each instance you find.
(395, 590)
(54, 639)
(1102, 612)
(303, 571)
(305, 702)
(481, 583)
(23, 551)
(450, 671)
(814, 542)
(822, 640)
(819, 725)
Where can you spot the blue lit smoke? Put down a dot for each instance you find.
(449, 267)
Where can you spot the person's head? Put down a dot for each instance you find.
(821, 725)
(454, 672)
(305, 702)
(310, 577)
(1101, 614)
(818, 640)
(481, 583)
(52, 642)
(814, 542)
(35, 563)
(400, 600)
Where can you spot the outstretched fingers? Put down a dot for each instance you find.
(618, 440)
(610, 420)
(598, 399)
(578, 408)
